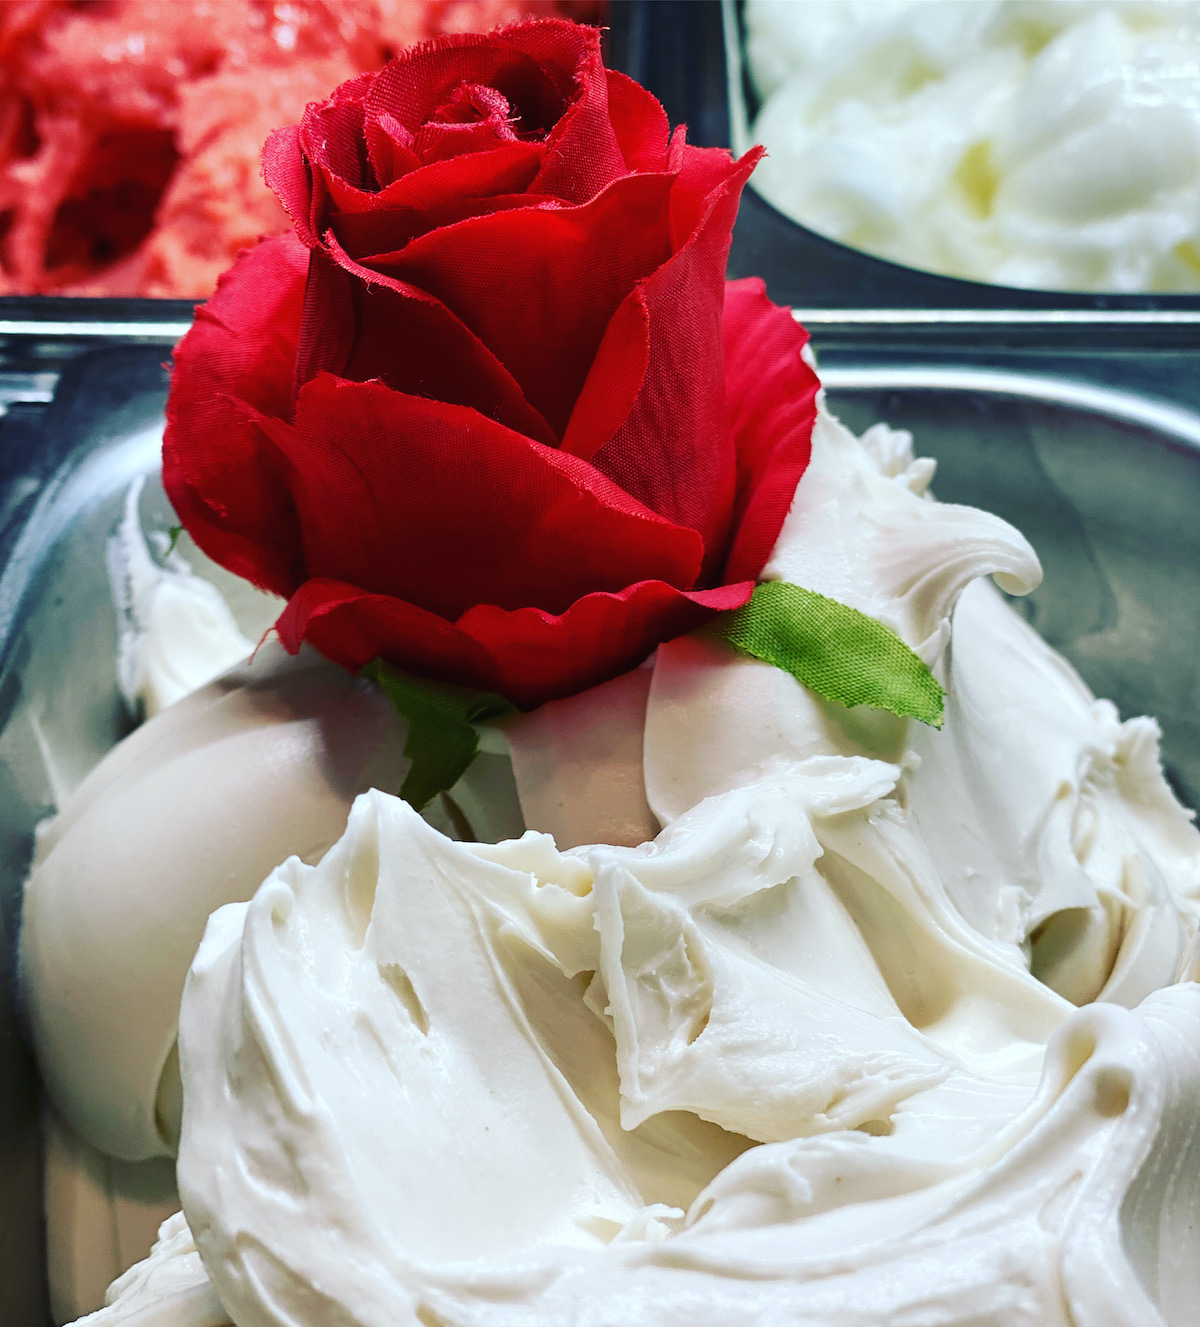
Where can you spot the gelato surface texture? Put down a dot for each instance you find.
(885, 1024)
(1052, 145)
(131, 130)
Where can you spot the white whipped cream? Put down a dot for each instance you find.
(1043, 143)
(787, 1061)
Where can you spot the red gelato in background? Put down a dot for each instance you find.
(131, 130)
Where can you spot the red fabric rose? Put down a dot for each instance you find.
(491, 414)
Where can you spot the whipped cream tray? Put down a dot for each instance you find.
(694, 55)
(1083, 434)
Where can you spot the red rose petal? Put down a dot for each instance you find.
(539, 286)
(677, 149)
(772, 407)
(674, 451)
(706, 175)
(506, 168)
(353, 91)
(287, 175)
(389, 150)
(446, 140)
(220, 473)
(436, 194)
(583, 154)
(527, 655)
(614, 380)
(329, 323)
(363, 235)
(409, 340)
(413, 87)
(352, 626)
(639, 122)
(399, 495)
(331, 134)
(561, 49)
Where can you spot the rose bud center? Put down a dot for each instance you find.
(474, 101)
(473, 118)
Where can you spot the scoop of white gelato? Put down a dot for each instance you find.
(189, 812)
(1052, 145)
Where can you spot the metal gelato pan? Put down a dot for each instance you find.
(1081, 429)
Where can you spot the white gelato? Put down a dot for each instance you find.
(189, 812)
(168, 1289)
(375, 1136)
(1043, 143)
(786, 1062)
(175, 631)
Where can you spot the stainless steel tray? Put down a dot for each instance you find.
(1085, 433)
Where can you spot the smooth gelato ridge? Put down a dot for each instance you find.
(1052, 144)
(812, 1054)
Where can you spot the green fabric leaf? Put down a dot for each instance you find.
(834, 650)
(175, 532)
(442, 738)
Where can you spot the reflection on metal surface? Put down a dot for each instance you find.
(35, 388)
(1031, 318)
(1159, 417)
(48, 329)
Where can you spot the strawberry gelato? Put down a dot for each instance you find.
(130, 130)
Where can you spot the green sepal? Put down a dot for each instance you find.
(442, 737)
(834, 650)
